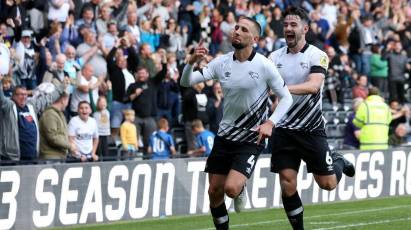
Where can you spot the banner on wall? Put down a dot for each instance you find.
(68, 194)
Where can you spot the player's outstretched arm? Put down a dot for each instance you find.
(189, 77)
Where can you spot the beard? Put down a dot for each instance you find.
(293, 43)
(238, 46)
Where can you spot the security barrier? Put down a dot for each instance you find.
(68, 194)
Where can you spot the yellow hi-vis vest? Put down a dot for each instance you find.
(373, 117)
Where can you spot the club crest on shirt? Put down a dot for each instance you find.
(227, 74)
(253, 75)
(324, 62)
(304, 65)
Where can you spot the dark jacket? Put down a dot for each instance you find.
(145, 105)
(116, 75)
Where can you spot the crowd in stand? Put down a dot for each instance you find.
(79, 76)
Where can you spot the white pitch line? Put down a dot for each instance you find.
(366, 223)
(317, 216)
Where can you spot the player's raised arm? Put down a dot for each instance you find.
(189, 77)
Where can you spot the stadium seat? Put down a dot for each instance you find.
(342, 116)
(331, 117)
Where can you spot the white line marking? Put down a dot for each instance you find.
(347, 213)
(366, 223)
(322, 222)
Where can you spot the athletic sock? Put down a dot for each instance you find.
(338, 168)
(220, 217)
(294, 210)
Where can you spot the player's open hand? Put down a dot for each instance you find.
(264, 130)
(199, 53)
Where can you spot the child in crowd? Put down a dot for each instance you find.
(102, 116)
(204, 140)
(83, 135)
(7, 87)
(161, 144)
(128, 133)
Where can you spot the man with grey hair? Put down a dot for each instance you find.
(56, 70)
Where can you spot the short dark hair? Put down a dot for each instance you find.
(83, 102)
(298, 11)
(374, 91)
(18, 88)
(256, 24)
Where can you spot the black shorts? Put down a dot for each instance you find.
(227, 155)
(289, 147)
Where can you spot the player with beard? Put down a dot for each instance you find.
(246, 78)
(300, 135)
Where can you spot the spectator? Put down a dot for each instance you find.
(58, 10)
(102, 116)
(104, 19)
(161, 145)
(70, 34)
(83, 135)
(204, 140)
(120, 70)
(194, 107)
(132, 26)
(216, 32)
(400, 114)
(87, 19)
(373, 117)
(215, 110)
(128, 134)
(398, 65)
(168, 103)
(399, 137)
(262, 47)
(25, 54)
(176, 41)
(160, 10)
(276, 23)
(7, 87)
(352, 132)
(227, 27)
(86, 81)
(148, 36)
(370, 33)
(57, 71)
(145, 59)
(379, 71)
(143, 95)
(110, 38)
(361, 88)
(19, 126)
(54, 142)
(88, 47)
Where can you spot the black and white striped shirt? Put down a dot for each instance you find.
(246, 87)
(306, 112)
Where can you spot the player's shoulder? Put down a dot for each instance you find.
(278, 52)
(224, 57)
(313, 50)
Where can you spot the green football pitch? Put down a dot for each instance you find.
(377, 214)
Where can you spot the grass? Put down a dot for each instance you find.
(388, 213)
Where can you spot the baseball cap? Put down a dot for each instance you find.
(26, 33)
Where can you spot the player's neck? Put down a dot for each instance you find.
(243, 54)
(300, 45)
